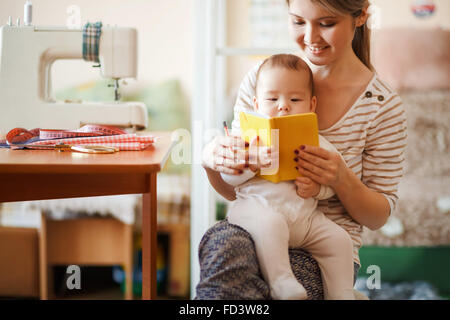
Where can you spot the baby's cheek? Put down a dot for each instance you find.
(267, 107)
(270, 111)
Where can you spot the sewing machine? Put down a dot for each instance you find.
(26, 57)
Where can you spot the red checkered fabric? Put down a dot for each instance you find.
(125, 142)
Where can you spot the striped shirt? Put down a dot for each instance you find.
(371, 137)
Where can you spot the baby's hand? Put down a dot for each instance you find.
(306, 188)
(262, 157)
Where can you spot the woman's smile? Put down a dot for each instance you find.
(317, 50)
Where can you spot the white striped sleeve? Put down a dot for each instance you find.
(383, 156)
(244, 101)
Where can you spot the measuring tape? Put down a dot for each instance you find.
(21, 135)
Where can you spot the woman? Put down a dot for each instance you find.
(357, 112)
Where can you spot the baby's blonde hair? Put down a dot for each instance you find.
(288, 61)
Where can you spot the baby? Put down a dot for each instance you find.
(284, 215)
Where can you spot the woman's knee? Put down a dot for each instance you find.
(220, 242)
(228, 265)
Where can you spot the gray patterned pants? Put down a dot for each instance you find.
(229, 267)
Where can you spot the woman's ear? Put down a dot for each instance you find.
(313, 104)
(255, 104)
(363, 16)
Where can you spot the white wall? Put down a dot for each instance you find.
(164, 34)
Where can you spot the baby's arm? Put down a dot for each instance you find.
(306, 188)
(325, 192)
(236, 180)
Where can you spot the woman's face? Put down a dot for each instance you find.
(323, 36)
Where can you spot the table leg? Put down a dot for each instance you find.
(43, 266)
(149, 237)
(128, 262)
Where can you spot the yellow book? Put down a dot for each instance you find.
(288, 132)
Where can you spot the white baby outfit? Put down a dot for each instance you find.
(278, 218)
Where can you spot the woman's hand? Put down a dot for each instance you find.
(230, 155)
(320, 165)
(306, 188)
(226, 154)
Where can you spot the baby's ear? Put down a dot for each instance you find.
(313, 104)
(255, 104)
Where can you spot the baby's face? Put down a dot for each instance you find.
(281, 92)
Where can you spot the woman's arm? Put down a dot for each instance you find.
(223, 188)
(227, 154)
(365, 206)
(371, 199)
(226, 169)
(217, 157)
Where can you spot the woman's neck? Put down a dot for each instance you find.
(345, 70)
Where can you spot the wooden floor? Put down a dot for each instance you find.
(98, 284)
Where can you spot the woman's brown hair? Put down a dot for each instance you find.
(361, 40)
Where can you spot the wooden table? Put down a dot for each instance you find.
(47, 174)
